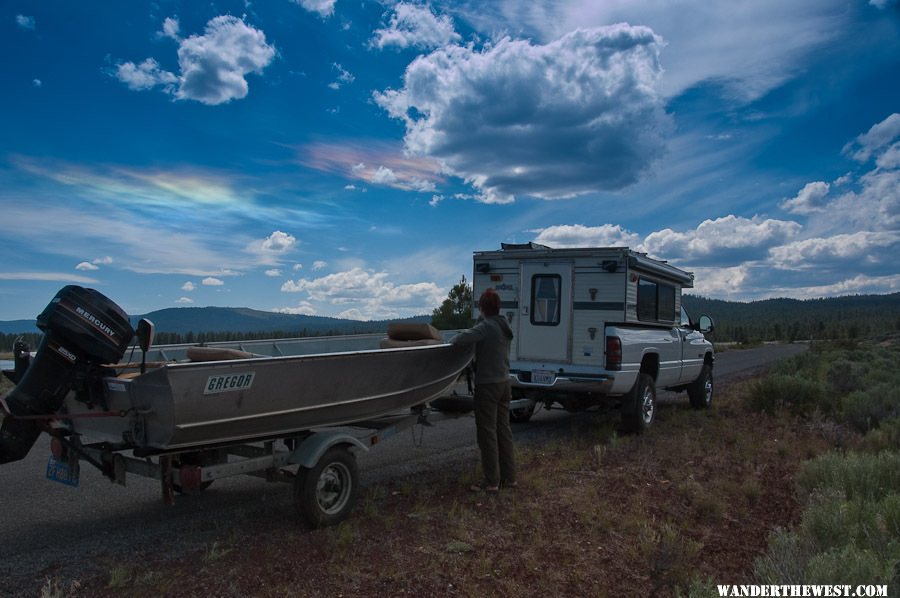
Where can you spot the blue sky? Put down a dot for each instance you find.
(345, 158)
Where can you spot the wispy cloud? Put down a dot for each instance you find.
(48, 277)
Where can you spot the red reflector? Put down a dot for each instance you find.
(189, 476)
(57, 449)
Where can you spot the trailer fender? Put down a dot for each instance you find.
(311, 450)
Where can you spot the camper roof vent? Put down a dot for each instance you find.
(520, 246)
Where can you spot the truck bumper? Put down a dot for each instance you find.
(564, 383)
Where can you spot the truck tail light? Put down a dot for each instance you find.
(613, 353)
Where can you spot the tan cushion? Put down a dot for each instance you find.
(215, 354)
(409, 331)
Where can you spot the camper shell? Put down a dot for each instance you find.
(588, 321)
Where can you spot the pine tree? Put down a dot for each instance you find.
(456, 310)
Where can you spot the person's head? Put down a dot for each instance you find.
(489, 303)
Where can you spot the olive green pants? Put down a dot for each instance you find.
(498, 459)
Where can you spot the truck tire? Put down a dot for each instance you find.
(326, 493)
(700, 391)
(639, 409)
(522, 414)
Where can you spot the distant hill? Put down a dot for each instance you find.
(199, 320)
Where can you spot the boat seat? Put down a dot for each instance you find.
(216, 354)
(411, 334)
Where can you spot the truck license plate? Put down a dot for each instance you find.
(62, 472)
(542, 377)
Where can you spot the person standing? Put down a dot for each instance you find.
(492, 336)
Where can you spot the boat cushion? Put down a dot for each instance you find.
(410, 331)
(215, 354)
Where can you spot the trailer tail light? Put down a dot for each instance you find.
(613, 353)
(57, 449)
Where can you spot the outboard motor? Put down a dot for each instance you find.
(82, 330)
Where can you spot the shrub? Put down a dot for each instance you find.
(886, 437)
(851, 566)
(866, 409)
(798, 395)
(853, 475)
(845, 376)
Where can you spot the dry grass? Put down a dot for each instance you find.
(595, 514)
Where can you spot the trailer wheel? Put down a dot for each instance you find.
(639, 410)
(700, 391)
(326, 493)
(522, 414)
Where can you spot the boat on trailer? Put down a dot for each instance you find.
(187, 414)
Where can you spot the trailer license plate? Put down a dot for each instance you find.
(542, 377)
(62, 472)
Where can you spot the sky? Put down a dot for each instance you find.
(345, 158)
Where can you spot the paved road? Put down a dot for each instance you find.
(48, 529)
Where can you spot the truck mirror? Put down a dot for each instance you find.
(705, 324)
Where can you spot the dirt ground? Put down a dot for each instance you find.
(595, 514)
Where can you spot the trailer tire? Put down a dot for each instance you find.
(639, 409)
(700, 391)
(326, 493)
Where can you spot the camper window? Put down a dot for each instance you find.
(656, 301)
(545, 299)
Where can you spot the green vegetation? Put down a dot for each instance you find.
(849, 532)
(456, 310)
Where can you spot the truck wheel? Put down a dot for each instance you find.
(700, 391)
(522, 414)
(639, 409)
(326, 493)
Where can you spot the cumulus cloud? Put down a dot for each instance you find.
(863, 249)
(812, 198)
(324, 8)
(415, 26)
(273, 272)
(578, 235)
(188, 286)
(368, 294)
(213, 66)
(211, 281)
(319, 265)
(384, 176)
(273, 246)
(25, 22)
(86, 266)
(576, 115)
(184, 300)
(303, 308)
(171, 28)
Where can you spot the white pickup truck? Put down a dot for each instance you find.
(594, 326)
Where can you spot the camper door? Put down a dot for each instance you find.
(545, 312)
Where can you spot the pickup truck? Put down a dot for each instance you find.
(597, 326)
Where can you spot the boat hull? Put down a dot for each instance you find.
(184, 405)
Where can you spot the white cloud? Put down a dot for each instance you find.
(297, 267)
(415, 26)
(727, 283)
(188, 286)
(86, 266)
(748, 48)
(48, 277)
(578, 235)
(273, 272)
(812, 198)
(25, 22)
(272, 247)
(324, 8)
(368, 295)
(145, 75)
(577, 115)
(303, 308)
(384, 176)
(37, 82)
(724, 240)
(863, 249)
(344, 77)
(213, 66)
(171, 28)
(184, 300)
(211, 281)
(875, 139)
(319, 265)
(104, 261)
